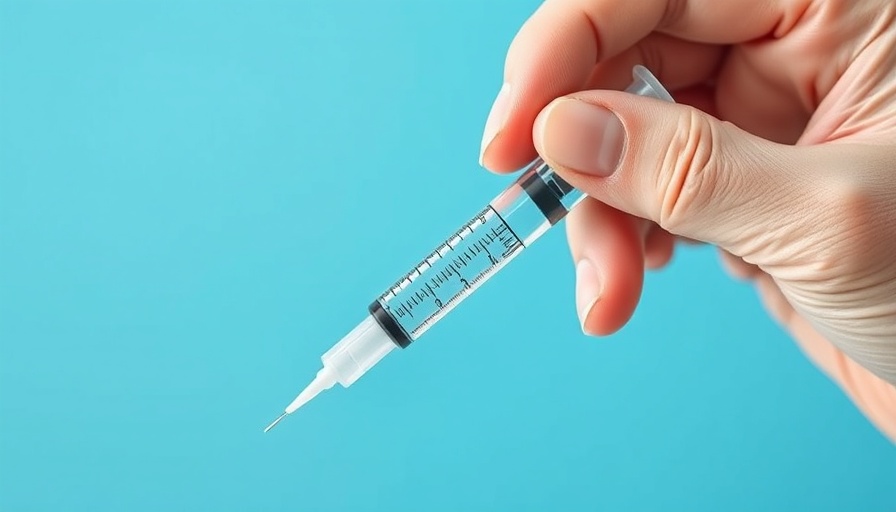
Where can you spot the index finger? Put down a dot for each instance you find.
(557, 49)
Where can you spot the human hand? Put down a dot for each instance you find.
(781, 151)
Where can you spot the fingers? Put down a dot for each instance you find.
(690, 173)
(697, 64)
(608, 251)
(555, 52)
(676, 63)
(760, 96)
(607, 246)
(507, 139)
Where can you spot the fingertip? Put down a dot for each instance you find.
(552, 55)
(620, 296)
(538, 127)
(507, 141)
(589, 291)
(608, 251)
(496, 126)
(512, 147)
(505, 153)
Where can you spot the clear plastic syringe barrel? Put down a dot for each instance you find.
(512, 221)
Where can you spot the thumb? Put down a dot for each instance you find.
(692, 174)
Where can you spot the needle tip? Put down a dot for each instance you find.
(274, 423)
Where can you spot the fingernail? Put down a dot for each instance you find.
(581, 136)
(496, 119)
(588, 290)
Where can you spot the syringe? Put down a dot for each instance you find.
(514, 220)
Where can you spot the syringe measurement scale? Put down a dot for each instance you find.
(515, 219)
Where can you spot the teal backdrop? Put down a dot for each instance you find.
(198, 198)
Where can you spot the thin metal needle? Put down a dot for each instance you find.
(274, 423)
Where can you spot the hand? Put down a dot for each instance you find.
(781, 151)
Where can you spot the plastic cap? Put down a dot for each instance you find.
(645, 84)
(358, 351)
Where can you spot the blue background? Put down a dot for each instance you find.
(198, 198)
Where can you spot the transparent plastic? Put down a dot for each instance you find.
(356, 353)
(489, 241)
(512, 221)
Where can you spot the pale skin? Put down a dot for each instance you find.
(780, 150)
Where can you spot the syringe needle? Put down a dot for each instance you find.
(324, 380)
(274, 423)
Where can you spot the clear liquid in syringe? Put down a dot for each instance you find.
(450, 273)
(512, 221)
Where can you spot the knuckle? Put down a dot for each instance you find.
(674, 11)
(855, 220)
(690, 172)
